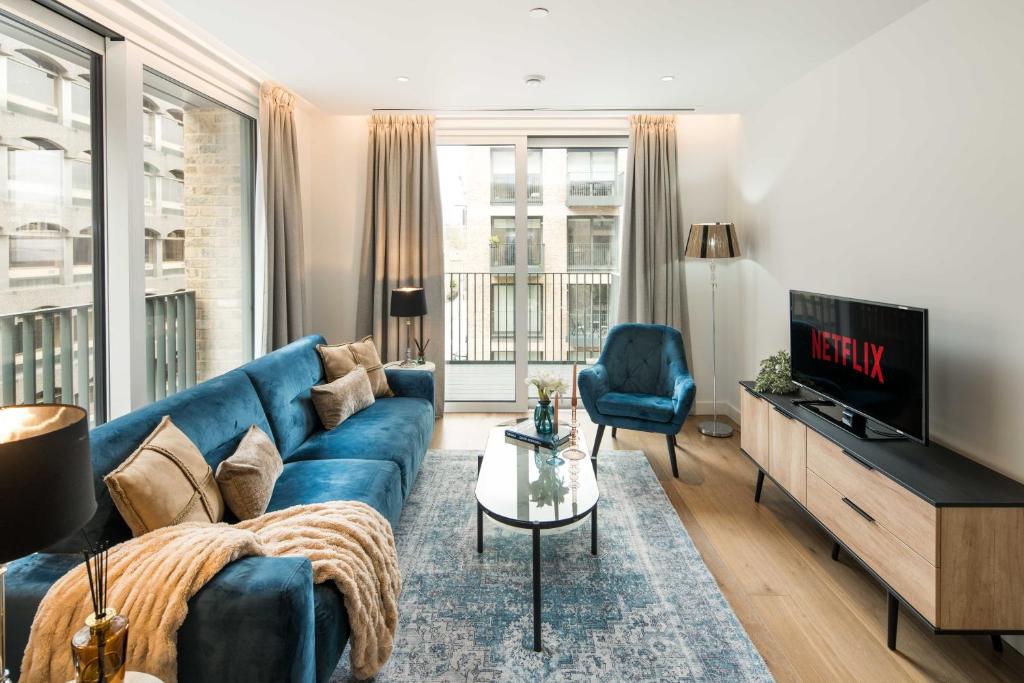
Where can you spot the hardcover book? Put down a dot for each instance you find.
(527, 433)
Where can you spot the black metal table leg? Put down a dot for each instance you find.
(894, 616)
(759, 487)
(536, 589)
(479, 528)
(997, 642)
(835, 551)
(593, 531)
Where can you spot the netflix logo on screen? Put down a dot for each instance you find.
(859, 355)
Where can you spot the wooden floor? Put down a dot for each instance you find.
(811, 618)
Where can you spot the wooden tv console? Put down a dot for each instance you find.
(942, 533)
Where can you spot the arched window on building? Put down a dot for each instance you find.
(172, 134)
(32, 82)
(83, 247)
(174, 249)
(35, 171)
(37, 245)
(150, 111)
(173, 193)
(151, 176)
(151, 237)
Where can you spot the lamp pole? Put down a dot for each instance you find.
(714, 427)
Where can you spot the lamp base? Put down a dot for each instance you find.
(719, 430)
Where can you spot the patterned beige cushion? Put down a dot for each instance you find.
(337, 401)
(341, 359)
(165, 481)
(247, 478)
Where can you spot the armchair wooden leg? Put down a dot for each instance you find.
(671, 440)
(597, 440)
(615, 432)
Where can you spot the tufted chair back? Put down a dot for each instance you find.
(643, 358)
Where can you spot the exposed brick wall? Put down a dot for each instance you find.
(213, 237)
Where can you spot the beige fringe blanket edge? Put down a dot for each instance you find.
(152, 577)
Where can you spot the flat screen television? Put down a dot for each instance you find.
(870, 359)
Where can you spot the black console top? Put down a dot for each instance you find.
(940, 476)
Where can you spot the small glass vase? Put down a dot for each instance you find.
(544, 417)
(108, 633)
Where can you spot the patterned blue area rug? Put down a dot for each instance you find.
(645, 609)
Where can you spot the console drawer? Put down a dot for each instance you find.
(908, 573)
(787, 453)
(909, 518)
(754, 427)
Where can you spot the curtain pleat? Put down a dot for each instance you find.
(403, 235)
(283, 295)
(652, 288)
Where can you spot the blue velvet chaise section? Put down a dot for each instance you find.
(641, 381)
(260, 618)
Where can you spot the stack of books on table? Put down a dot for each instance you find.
(526, 433)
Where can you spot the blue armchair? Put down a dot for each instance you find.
(640, 382)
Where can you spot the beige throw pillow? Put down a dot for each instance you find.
(165, 481)
(341, 359)
(337, 401)
(247, 478)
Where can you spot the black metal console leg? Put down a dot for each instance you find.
(997, 642)
(835, 551)
(894, 616)
(593, 531)
(479, 528)
(759, 487)
(672, 454)
(615, 432)
(536, 590)
(597, 440)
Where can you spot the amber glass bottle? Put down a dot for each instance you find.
(110, 631)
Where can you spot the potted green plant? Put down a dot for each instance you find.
(776, 375)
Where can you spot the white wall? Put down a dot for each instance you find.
(893, 173)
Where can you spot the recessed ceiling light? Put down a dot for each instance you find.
(668, 79)
(539, 12)
(534, 80)
(402, 79)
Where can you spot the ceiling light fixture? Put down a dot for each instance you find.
(534, 80)
(539, 12)
(402, 79)
(668, 79)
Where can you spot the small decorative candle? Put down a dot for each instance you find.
(554, 399)
(574, 385)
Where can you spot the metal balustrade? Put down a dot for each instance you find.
(503, 188)
(585, 256)
(503, 254)
(568, 316)
(582, 189)
(46, 355)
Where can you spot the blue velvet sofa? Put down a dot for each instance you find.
(641, 381)
(261, 618)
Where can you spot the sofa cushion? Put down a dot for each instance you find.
(374, 482)
(215, 415)
(338, 400)
(341, 359)
(247, 478)
(395, 429)
(639, 406)
(165, 481)
(283, 380)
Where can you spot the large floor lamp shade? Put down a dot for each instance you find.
(46, 483)
(713, 241)
(408, 303)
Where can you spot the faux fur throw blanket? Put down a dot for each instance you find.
(152, 577)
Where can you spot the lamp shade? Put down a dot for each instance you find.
(46, 482)
(712, 240)
(408, 302)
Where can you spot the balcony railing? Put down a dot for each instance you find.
(503, 255)
(503, 188)
(583, 189)
(585, 256)
(46, 354)
(568, 316)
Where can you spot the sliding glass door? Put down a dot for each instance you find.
(51, 220)
(531, 260)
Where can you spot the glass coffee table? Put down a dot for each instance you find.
(526, 487)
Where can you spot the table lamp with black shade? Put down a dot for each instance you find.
(46, 484)
(408, 303)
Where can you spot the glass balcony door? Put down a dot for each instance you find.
(491, 244)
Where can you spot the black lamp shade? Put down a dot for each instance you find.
(46, 483)
(408, 302)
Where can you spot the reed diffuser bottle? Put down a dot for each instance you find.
(99, 649)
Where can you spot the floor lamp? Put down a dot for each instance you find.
(713, 241)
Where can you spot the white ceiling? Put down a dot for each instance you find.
(344, 55)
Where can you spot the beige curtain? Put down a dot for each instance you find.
(652, 289)
(403, 237)
(284, 299)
